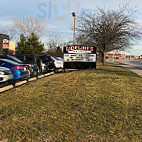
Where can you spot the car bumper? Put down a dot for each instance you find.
(44, 68)
(4, 78)
(20, 75)
(51, 66)
(21, 78)
(59, 66)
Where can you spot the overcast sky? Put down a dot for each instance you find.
(57, 13)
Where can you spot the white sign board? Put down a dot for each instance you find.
(79, 57)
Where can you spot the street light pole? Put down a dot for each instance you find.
(74, 16)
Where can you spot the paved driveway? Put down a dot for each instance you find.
(135, 63)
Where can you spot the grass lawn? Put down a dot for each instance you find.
(103, 105)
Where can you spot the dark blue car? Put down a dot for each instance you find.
(19, 71)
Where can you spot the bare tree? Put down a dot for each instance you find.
(54, 46)
(83, 39)
(108, 30)
(8, 30)
(29, 25)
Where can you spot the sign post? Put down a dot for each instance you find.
(79, 57)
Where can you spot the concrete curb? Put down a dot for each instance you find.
(18, 84)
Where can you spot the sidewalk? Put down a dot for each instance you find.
(133, 63)
(134, 68)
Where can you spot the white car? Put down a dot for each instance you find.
(58, 62)
(5, 74)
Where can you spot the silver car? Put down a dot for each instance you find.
(58, 62)
(5, 74)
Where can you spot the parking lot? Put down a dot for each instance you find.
(19, 69)
(9, 87)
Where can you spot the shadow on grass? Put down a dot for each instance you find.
(117, 71)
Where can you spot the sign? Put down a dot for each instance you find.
(5, 43)
(81, 57)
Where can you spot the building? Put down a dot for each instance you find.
(4, 42)
(6, 46)
(12, 47)
(115, 55)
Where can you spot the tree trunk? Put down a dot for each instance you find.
(104, 54)
(103, 58)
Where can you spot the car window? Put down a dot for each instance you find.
(2, 57)
(20, 57)
(1, 63)
(29, 58)
(9, 61)
(49, 57)
(53, 58)
(14, 58)
(58, 58)
(44, 59)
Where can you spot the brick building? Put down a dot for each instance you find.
(115, 55)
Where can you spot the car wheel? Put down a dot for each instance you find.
(13, 84)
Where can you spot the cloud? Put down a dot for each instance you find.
(6, 22)
(57, 13)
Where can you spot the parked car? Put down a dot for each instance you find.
(44, 63)
(39, 60)
(33, 68)
(5, 74)
(19, 71)
(58, 62)
(51, 64)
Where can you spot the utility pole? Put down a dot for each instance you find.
(74, 16)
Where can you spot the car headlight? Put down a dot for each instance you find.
(2, 73)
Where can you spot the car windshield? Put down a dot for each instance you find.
(29, 58)
(14, 58)
(9, 61)
(3, 68)
(58, 58)
(44, 59)
(49, 57)
(53, 58)
(20, 57)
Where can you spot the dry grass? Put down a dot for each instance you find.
(88, 105)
